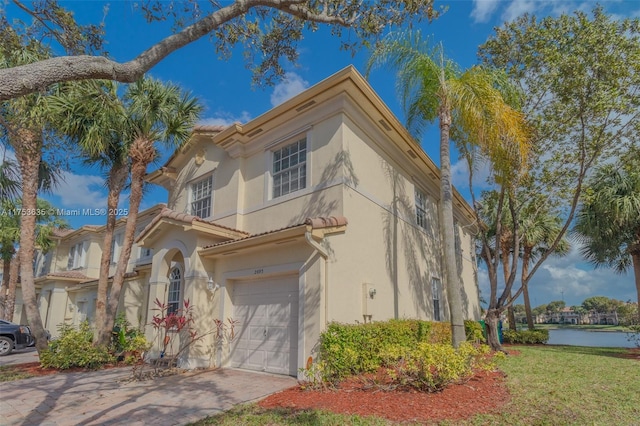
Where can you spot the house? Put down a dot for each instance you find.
(322, 209)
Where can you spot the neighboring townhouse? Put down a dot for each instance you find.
(66, 277)
(322, 209)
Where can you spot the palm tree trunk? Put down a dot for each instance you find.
(636, 272)
(138, 171)
(10, 301)
(6, 265)
(116, 181)
(526, 256)
(454, 295)
(28, 149)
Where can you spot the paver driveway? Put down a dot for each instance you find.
(106, 398)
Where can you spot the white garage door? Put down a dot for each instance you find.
(267, 332)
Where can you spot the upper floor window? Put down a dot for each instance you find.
(421, 209)
(77, 255)
(116, 247)
(201, 197)
(175, 286)
(290, 168)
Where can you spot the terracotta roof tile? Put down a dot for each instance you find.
(315, 223)
(69, 274)
(167, 213)
(62, 232)
(208, 128)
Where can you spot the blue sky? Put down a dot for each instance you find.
(224, 87)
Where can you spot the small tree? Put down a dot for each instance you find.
(579, 78)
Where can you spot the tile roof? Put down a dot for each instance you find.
(315, 223)
(208, 128)
(62, 232)
(69, 274)
(167, 213)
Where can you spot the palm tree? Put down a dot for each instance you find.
(608, 222)
(10, 190)
(470, 103)
(94, 117)
(27, 130)
(156, 112)
(539, 231)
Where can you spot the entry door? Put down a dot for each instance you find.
(266, 337)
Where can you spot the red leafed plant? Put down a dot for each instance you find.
(172, 326)
(175, 332)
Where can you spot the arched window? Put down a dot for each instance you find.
(175, 286)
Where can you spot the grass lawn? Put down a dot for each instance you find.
(552, 385)
(9, 373)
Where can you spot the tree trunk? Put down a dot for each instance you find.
(28, 147)
(452, 280)
(526, 256)
(14, 273)
(6, 265)
(636, 272)
(138, 171)
(491, 321)
(117, 179)
(504, 253)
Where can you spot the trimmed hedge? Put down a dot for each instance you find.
(347, 349)
(525, 337)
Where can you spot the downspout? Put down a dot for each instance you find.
(322, 252)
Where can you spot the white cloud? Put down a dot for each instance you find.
(81, 191)
(288, 88)
(483, 9)
(225, 119)
(520, 7)
(460, 174)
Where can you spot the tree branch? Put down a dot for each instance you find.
(25, 79)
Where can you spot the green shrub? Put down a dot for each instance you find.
(128, 343)
(525, 337)
(74, 348)
(431, 367)
(474, 332)
(347, 349)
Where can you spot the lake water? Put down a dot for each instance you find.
(608, 339)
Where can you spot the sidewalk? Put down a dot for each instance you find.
(106, 398)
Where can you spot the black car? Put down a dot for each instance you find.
(13, 336)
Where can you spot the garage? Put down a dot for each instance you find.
(266, 337)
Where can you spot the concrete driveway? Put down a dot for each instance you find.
(20, 356)
(106, 397)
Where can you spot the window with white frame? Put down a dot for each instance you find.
(116, 247)
(435, 292)
(175, 287)
(77, 255)
(201, 197)
(290, 168)
(421, 209)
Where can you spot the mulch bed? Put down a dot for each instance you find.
(486, 392)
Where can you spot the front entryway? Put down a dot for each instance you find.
(267, 332)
